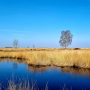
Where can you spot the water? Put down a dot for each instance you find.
(52, 77)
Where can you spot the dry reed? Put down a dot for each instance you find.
(58, 57)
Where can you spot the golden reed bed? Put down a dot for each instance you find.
(50, 56)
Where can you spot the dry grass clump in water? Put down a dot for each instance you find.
(11, 85)
(26, 86)
(57, 57)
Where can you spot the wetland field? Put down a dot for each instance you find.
(44, 69)
(74, 57)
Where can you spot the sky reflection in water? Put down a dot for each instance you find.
(55, 78)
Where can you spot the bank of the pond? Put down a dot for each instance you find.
(58, 57)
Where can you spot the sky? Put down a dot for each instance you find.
(40, 22)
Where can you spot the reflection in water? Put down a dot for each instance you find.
(78, 71)
(33, 68)
(37, 68)
(15, 65)
(12, 60)
(56, 77)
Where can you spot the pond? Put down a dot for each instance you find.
(44, 78)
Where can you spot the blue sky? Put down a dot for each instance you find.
(40, 22)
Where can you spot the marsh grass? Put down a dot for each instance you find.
(22, 85)
(58, 57)
(26, 86)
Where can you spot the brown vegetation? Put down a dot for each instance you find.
(41, 56)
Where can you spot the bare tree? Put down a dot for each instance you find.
(66, 38)
(15, 43)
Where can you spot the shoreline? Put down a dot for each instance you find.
(78, 58)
